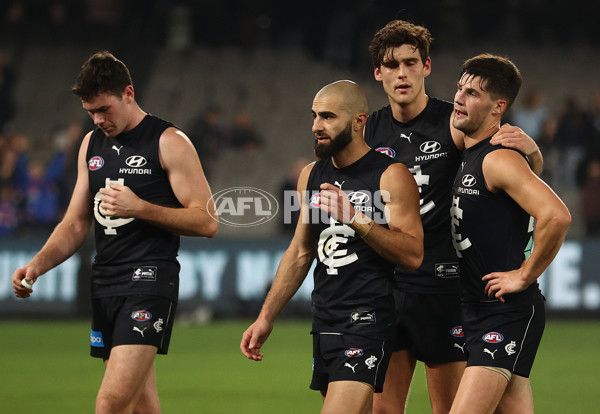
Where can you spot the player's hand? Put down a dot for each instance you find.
(503, 283)
(513, 137)
(119, 201)
(336, 203)
(21, 273)
(254, 337)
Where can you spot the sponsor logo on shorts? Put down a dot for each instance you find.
(493, 337)
(487, 351)
(96, 339)
(457, 332)
(461, 347)
(351, 366)
(95, 163)
(144, 273)
(363, 318)
(387, 151)
(141, 315)
(141, 331)
(354, 352)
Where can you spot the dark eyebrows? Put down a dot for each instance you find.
(324, 114)
(101, 109)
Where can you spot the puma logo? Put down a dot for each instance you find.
(351, 366)
(117, 149)
(403, 135)
(461, 347)
(487, 351)
(338, 184)
(141, 331)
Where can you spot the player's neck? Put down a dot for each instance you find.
(136, 117)
(352, 153)
(481, 134)
(408, 112)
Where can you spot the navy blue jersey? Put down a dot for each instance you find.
(352, 284)
(132, 256)
(491, 232)
(426, 147)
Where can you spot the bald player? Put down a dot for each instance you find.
(359, 219)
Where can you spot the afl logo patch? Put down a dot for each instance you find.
(387, 151)
(457, 332)
(141, 315)
(315, 200)
(95, 163)
(493, 337)
(354, 352)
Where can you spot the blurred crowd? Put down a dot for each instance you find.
(570, 142)
(35, 185)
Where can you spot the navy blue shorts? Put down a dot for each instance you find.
(429, 326)
(505, 339)
(131, 320)
(349, 358)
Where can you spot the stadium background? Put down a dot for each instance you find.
(267, 59)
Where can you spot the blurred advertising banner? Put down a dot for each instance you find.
(230, 278)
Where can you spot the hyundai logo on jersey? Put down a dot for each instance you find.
(136, 161)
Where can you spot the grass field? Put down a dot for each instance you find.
(45, 368)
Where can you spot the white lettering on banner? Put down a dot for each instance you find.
(212, 268)
(59, 283)
(564, 277)
(255, 272)
(188, 283)
(201, 272)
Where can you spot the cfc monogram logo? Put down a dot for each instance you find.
(330, 241)
(459, 242)
(110, 223)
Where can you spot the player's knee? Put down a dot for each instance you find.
(383, 405)
(111, 403)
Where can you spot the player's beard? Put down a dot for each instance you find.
(335, 144)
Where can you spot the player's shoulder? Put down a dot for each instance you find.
(438, 109)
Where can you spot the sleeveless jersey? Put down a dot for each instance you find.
(352, 284)
(133, 257)
(425, 146)
(491, 232)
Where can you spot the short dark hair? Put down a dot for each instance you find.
(499, 76)
(395, 34)
(102, 73)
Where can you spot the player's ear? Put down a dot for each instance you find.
(377, 74)
(359, 121)
(499, 107)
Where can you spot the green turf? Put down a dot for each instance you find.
(206, 373)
